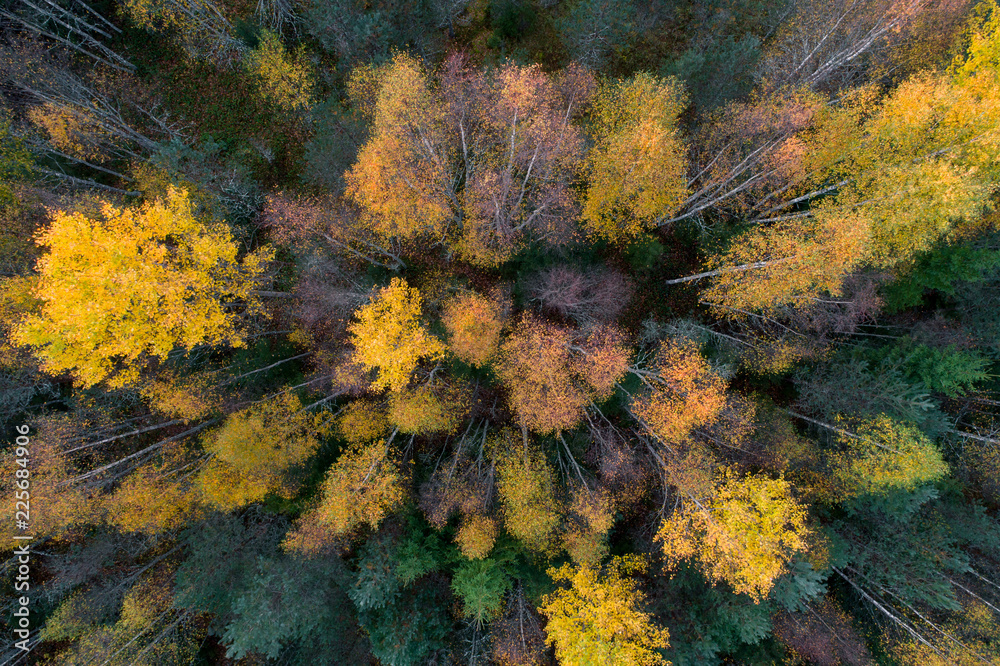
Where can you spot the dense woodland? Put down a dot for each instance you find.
(512, 332)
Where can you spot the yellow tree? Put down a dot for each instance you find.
(389, 338)
(598, 619)
(155, 498)
(432, 408)
(48, 482)
(361, 488)
(590, 517)
(527, 487)
(282, 78)
(882, 455)
(476, 535)
(786, 264)
(745, 534)
(363, 421)
(203, 30)
(401, 177)
(637, 169)
(966, 638)
(259, 450)
(896, 175)
(132, 285)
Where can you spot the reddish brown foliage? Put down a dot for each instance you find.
(551, 375)
(457, 486)
(822, 635)
(518, 639)
(586, 297)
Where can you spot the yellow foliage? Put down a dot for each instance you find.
(474, 323)
(202, 28)
(799, 260)
(71, 132)
(363, 421)
(151, 502)
(57, 504)
(638, 167)
(585, 546)
(224, 488)
(134, 285)
(883, 455)
(17, 301)
(745, 535)
(260, 450)
(476, 536)
(388, 336)
(401, 175)
(429, 409)
(286, 81)
(527, 486)
(967, 638)
(187, 398)
(361, 488)
(599, 619)
(147, 630)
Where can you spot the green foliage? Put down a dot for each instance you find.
(15, 160)
(338, 134)
(421, 552)
(901, 544)
(591, 29)
(511, 19)
(850, 385)
(940, 270)
(854, 503)
(950, 371)
(799, 587)
(481, 585)
(358, 32)
(716, 72)
(221, 558)
(289, 599)
(706, 621)
(385, 603)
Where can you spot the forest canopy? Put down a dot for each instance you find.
(514, 332)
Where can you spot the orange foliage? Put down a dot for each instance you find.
(551, 376)
(684, 392)
(475, 162)
(590, 517)
(474, 323)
